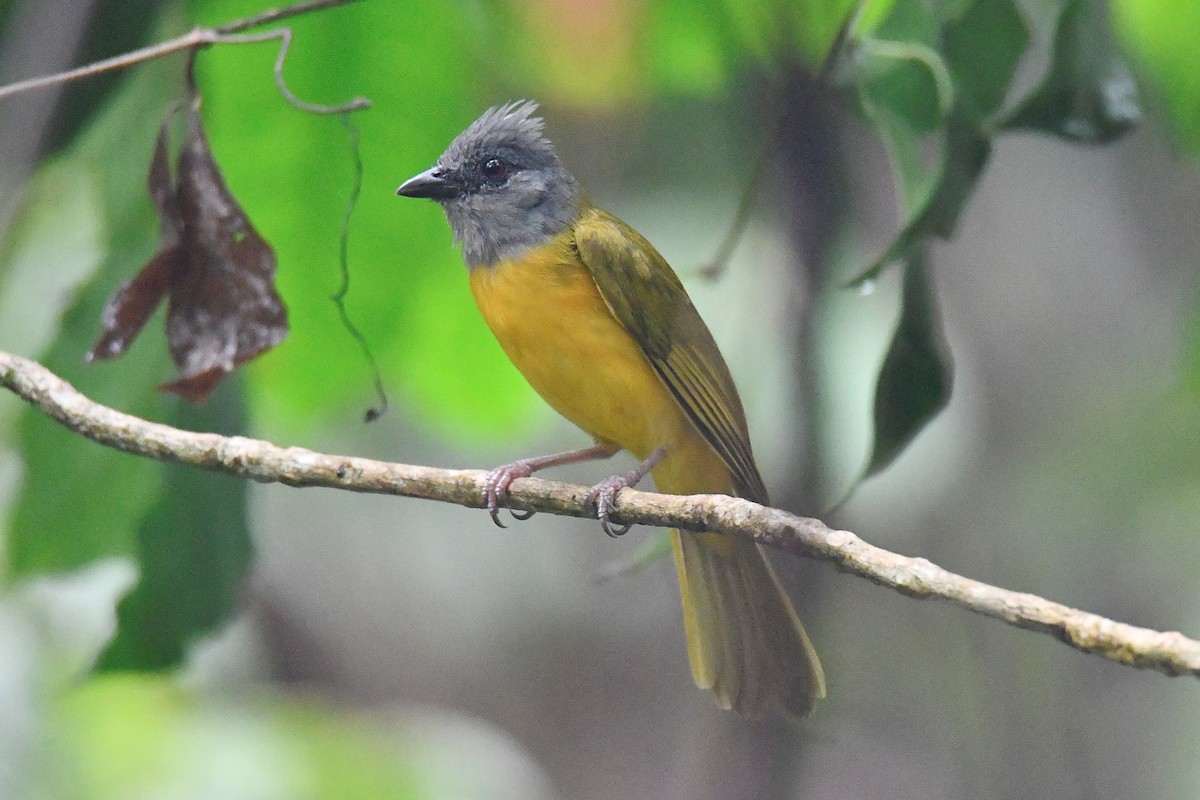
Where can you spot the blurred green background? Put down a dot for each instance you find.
(1030, 167)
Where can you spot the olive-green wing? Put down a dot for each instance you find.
(645, 295)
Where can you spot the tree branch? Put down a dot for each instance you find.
(1167, 652)
(193, 40)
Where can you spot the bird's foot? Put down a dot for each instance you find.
(495, 488)
(604, 496)
(495, 485)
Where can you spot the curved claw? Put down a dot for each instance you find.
(615, 533)
(495, 487)
(521, 516)
(604, 495)
(491, 499)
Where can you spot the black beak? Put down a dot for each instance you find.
(434, 184)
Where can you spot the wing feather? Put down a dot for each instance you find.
(647, 298)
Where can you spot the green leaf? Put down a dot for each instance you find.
(908, 79)
(1089, 94)
(983, 47)
(1164, 38)
(917, 373)
(935, 202)
(193, 546)
(899, 74)
(904, 89)
(292, 173)
(914, 179)
(78, 501)
(907, 104)
(907, 21)
(966, 153)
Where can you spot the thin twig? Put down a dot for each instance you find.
(197, 38)
(1167, 652)
(273, 15)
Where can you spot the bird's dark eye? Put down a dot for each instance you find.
(495, 170)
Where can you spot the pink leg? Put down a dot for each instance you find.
(495, 487)
(604, 494)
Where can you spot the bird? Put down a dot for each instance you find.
(602, 328)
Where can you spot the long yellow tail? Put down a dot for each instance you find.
(745, 641)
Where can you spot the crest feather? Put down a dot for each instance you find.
(512, 126)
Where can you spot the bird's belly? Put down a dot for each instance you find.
(553, 324)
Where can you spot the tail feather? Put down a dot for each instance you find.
(745, 641)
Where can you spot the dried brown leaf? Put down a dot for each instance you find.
(218, 272)
(128, 310)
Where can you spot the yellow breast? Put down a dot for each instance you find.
(549, 317)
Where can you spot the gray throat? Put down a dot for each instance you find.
(501, 226)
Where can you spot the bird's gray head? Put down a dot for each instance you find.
(501, 185)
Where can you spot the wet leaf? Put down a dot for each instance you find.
(917, 373)
(216, 269)
(1089, 94)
